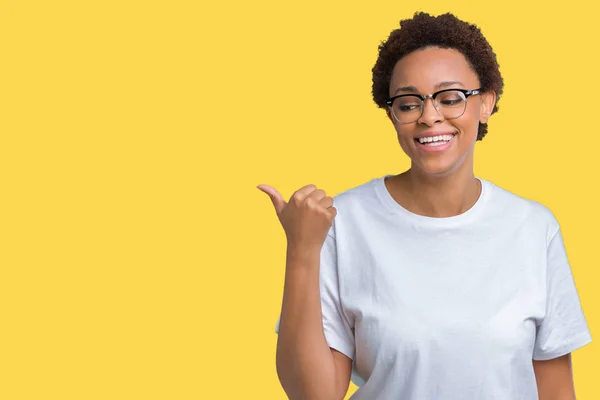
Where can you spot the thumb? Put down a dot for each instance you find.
(276, 198)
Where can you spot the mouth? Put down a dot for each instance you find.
(435, 143)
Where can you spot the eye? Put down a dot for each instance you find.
(450, 98)
(451, 102)
(408, 104)
(406, 108)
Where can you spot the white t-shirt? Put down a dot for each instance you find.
(447, 308)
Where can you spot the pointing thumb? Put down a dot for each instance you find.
(278, 201)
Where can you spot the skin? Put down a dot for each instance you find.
(555, 378)
(438, 184)
(443, 184)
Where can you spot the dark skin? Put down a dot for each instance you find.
(439, 184)
(555, 378)
(443, 184)
(446, 175)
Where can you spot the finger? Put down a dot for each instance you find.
(277, 199)
(326, 202)
(332, 211)
(304, 191)
(317, 195)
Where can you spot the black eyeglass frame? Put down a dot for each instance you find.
(432, 96)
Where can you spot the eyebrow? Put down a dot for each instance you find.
(436, 87)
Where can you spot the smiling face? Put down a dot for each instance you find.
(427, 71)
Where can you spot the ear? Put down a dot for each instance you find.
(488, 100)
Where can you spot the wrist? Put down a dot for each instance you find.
(303, 253)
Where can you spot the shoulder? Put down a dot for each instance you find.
(359, 196)
(521, 209)
(355, 206)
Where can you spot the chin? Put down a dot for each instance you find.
(437, 168)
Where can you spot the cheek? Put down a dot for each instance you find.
(471, 121)
(473, 129)
(467, 125)
(405, 137)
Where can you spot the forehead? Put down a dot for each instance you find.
(427, 67)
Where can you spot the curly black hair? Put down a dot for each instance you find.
(444, 31)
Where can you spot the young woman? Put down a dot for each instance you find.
(432, 284)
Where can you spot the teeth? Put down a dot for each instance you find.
(438, 138)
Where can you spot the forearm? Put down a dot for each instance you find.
(564, 393)
(305, 364)
(555, 378)
(558, 396)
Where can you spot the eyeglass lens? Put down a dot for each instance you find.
(450, 104)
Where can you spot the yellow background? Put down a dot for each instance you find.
(137, 258)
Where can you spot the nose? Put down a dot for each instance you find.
(430, 114)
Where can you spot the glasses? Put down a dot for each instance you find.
(449, 103)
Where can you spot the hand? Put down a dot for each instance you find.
(306, 218)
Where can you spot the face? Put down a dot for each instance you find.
(427, 71)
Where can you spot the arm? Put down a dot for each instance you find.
(555, 378)
(307, 367)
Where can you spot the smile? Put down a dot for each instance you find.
(435, 140)
(435, 143)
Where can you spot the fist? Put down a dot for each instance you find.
(306, 217)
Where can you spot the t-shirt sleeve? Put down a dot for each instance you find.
(564, 328)
(337, 328)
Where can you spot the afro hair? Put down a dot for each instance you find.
(443, 31)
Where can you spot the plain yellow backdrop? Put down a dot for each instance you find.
(137, 258)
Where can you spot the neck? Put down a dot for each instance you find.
(438, 196)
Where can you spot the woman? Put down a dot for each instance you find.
(431, 284)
